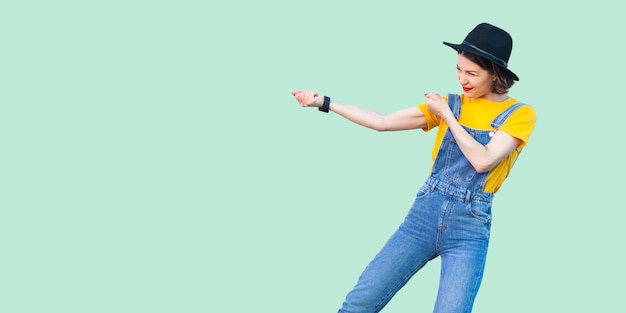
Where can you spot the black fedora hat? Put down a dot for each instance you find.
(489, 42)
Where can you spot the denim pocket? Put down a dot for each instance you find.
(480, 211)
(423, 192)
(458, 168)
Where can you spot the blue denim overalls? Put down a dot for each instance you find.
(451, 218)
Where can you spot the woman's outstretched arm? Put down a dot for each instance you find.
(410, 118)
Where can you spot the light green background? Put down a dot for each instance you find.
(153, 159)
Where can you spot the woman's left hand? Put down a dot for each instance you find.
(437, 105)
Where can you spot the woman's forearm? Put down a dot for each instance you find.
(362, 116)
(405, 119)
(482, 157)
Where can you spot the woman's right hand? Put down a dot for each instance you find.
(308, 98)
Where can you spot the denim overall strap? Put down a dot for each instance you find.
(501, 118)
(454, 101)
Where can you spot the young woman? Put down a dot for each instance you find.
(480, 135)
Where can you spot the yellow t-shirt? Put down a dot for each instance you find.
(478, 114)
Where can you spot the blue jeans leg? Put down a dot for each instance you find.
(461, 275)
(406, 251)
(463, 247)
(400, 258)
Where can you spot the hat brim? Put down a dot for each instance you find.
(471, 50)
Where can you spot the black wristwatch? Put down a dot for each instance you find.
(326, 106)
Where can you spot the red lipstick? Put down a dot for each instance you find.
(466, 89)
